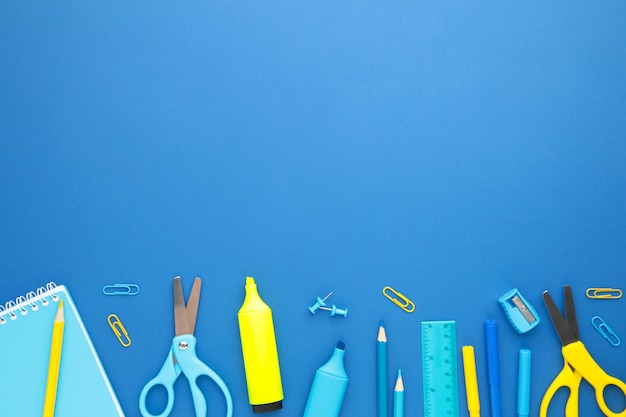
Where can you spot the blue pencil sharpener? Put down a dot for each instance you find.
(520, 313)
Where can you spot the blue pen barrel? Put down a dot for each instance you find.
(493, 366)
(523, 388)
(329, 387)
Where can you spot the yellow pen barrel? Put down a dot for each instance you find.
(260, 355)
(471, 381)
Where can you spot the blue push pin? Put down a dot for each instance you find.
(335, 310)
(319, 303)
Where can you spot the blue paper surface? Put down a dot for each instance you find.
(452, 150)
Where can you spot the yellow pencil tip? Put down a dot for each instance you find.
(60, 316)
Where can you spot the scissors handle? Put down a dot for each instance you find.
(193, 368)
(566, 378)
(579, 358)
(166, 377)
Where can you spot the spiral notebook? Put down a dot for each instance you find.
(25, 334)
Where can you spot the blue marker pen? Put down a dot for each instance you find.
(329, 386)
(493, 366)
(523, 388)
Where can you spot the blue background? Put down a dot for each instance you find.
(452, 150)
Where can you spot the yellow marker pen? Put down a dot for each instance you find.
(260, 356)
(471, 382)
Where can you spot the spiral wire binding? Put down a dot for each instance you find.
(22, 303)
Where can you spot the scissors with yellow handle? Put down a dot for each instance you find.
(182, 358)
(578, 363)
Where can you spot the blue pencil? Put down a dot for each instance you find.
(398, 397)
(381, 355)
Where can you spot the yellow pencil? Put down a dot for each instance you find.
(55, 362)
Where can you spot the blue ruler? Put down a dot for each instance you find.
(439, 371)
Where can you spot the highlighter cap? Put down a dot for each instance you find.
(329, 386)
(252, 301)
(335, 366)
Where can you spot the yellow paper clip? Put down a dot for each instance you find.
(395, 296)
(119, 330)
(610, 293)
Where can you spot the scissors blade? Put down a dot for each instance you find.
(181, 324)
(570, 311)
(561, 325)
(192, 304)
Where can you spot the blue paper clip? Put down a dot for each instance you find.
(121, 289)
(604, 329)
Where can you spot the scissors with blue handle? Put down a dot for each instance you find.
(182, 358)
(578, 363)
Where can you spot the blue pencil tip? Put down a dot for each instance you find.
(382, 323)
(341, 345)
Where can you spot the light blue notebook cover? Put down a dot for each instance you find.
(25, 335)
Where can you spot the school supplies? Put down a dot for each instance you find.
(119, 330)
(26, 330)
(336, 311)
(604, 293)
(329, 386)
(398, 396)
(605, 330)
(321, 302)
(471, 381)
(121, 289)
(381, 367)
(578, 363)
(181, 358)
(493, 366)
(523, 384)
(520, 313)
(260, 355)
(54, 363)
(439, 369)
(399, 299)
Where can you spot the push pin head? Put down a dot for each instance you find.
(319, 303)
(334, 310)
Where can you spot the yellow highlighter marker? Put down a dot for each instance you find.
(260, 355)
(55, 362)
(471, 382)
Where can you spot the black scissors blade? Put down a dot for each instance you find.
(570, 311)
(566, 327)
